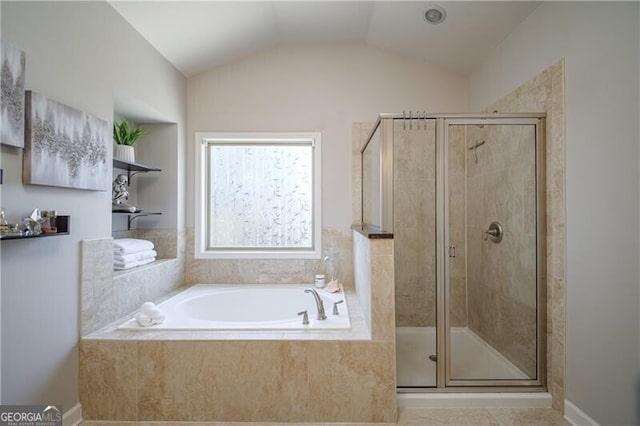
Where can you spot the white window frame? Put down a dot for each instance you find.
(202, 141)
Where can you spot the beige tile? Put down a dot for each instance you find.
(542, 93)
(107, 380)
(517, 340)
(352, 382)
(335, 241)
(414, 226)
(265, 381)
(98, 304)
(164, 240)
(446, 416)
(179, 381)
(362, 274)
(527, 417)
(382, 292)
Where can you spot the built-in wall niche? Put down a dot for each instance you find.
(153, 178)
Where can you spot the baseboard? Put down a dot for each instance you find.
(73, 416)
(505, 400)
(576, 416)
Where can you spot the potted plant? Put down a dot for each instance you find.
(124, 136)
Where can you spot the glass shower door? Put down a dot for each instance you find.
(492, 236)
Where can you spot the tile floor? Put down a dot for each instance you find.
(417, 417)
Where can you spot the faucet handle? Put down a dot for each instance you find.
(335, 307)
(305, 317)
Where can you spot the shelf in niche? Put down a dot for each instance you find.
(136, 211)
(133, 167)
(134, 215)
(62, 223)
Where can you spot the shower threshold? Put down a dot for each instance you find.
(528, 399)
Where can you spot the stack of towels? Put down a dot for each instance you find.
(130, 252)
(149, 315)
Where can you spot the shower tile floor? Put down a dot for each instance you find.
(414, 417)
(472, 358)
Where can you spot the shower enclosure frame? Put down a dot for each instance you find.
(443, 121)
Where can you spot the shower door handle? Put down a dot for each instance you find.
(494, 233)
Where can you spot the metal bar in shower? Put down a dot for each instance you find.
(386, 176)
(467, 116)
(541, 261)
(441, 256)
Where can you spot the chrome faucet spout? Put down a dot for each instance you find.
(319, 304)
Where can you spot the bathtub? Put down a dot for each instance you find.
(247, 307)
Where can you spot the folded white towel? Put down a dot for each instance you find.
(130, 245)
(121, 266)
(147, 321)
(133, 257)
(151, 309)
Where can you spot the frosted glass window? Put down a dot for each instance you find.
(260, 196)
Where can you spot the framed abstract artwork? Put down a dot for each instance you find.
(12, 95)
(64, 146)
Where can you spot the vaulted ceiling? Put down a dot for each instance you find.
(199, 35)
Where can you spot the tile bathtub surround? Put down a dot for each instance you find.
(272, 271)
(545, 93)
(246, 381)
(97, 300)
(374, 282)
(107, 297)
(287, 377)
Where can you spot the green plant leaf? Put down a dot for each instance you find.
(126, 134)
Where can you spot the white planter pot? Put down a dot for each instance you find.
(124, 153)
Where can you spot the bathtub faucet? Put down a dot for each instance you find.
(319, 304)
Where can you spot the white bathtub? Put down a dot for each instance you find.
(247, 307)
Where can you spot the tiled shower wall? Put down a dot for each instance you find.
(414, 222)
(502, 276)
(545, 93)
(457, 217)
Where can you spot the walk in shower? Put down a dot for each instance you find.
(462, 195)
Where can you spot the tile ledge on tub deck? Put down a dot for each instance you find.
(155, 264)
(372, 232)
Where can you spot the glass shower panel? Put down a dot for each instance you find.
(414, 232)
(371, 181)
(491, 293)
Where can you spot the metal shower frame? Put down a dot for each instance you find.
(385, 122)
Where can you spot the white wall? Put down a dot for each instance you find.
(324, 88)
(599, 42)
(79, 53)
